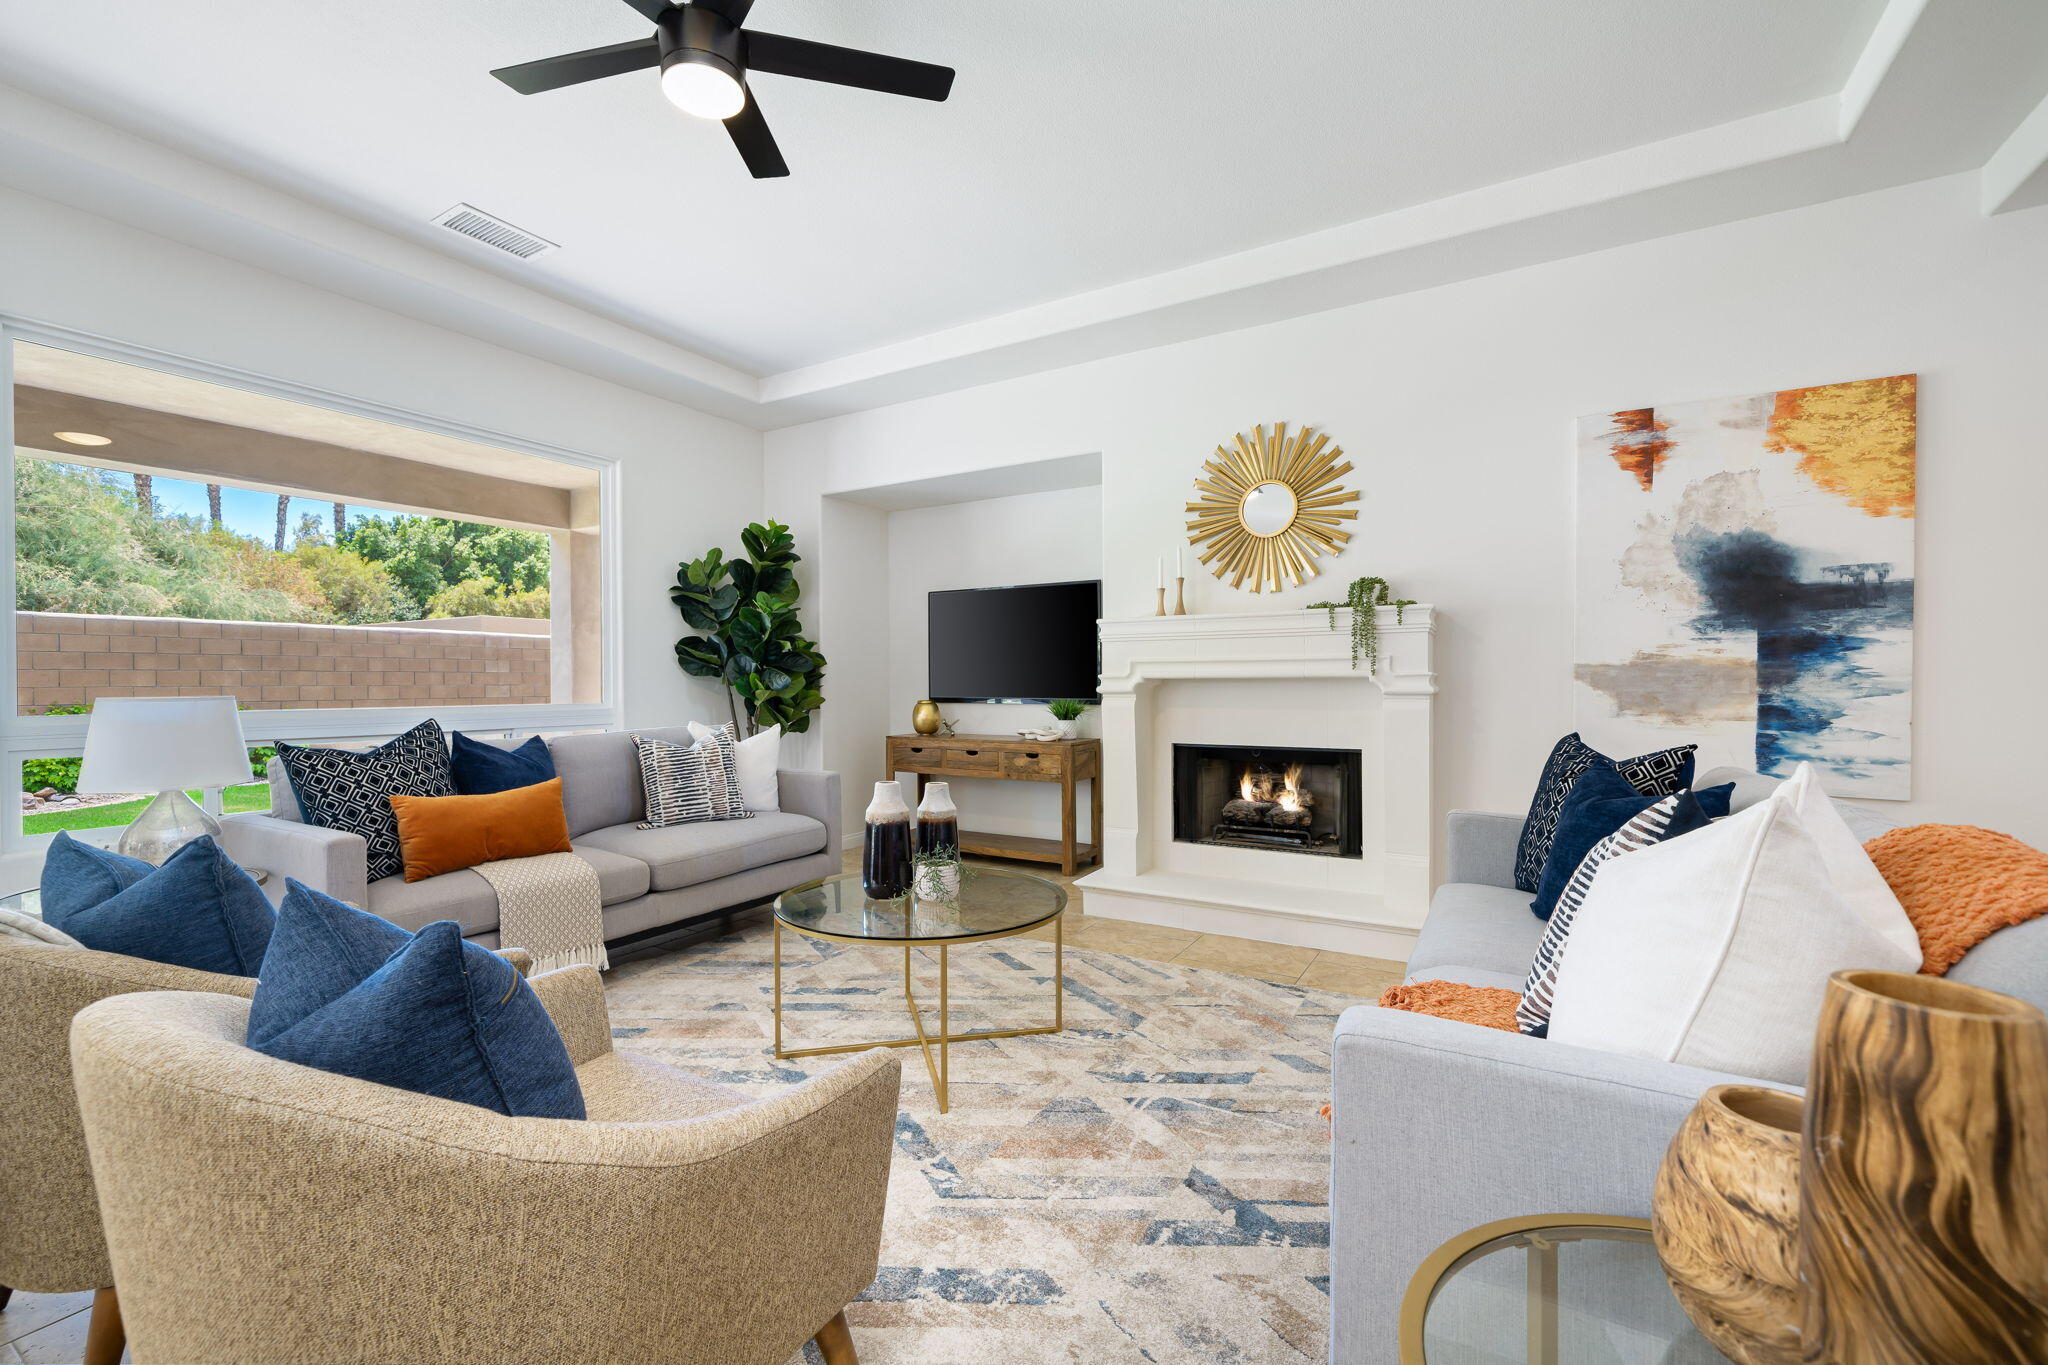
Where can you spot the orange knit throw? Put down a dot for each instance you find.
(1959, 885)
(1487, 1006)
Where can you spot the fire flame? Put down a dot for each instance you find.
(1288, 797)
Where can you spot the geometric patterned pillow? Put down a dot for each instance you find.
(684, 783)
(349, 790)
(1648, 827)
(1657, 774)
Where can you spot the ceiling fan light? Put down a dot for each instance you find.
(699, 83)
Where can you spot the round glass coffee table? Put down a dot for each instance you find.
(1549, 1289)
(991, 903)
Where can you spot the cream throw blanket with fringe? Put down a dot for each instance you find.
(550, 906)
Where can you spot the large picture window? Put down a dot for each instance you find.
(172, 535)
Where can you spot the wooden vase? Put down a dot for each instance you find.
(1924, 1203)
(1725, 1221)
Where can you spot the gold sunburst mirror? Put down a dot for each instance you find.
(1269, 506)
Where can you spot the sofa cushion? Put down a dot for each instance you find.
(349, 790)
(78, 875)
(2013, 961)
(1482, 935)
(438, 834)
(482, 766)
(321, 950)
(467, 898)
(199, 910)
(439, 1017)
(684, 855)
(601, 776)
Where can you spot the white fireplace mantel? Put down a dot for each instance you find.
(1371, 905)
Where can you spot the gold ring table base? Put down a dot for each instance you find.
(945, 1037)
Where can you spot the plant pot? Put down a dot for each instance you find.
(1725, 1220)
(1924, 1228)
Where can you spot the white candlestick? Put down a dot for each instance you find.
(1162, 573)
(1177, 570)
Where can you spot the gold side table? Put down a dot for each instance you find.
(991, 904)
(1549, 1289)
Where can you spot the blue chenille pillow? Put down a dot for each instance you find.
(1655, 774)
(321, 950)
(439, 1017)
(78, 875)
(199, 910)
(481, 769)
(1601, 802)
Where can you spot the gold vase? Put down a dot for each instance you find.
(924, 717)
(1725, 1221)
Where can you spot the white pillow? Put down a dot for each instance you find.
(760, 755)
(1714, 950)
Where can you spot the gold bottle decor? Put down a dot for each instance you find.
(924, 717)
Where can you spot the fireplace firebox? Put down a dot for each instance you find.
(1288, 800)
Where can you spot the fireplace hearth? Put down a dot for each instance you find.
(1284, 799)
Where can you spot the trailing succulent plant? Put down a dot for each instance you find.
(1363, 596)
(751, 639)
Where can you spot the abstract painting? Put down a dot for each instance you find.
(1745, 580)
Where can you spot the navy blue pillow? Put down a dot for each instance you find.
(320, 951)
(1601, 802)
(78, 876)
(199, 910)
(481, 769)
(440, 1017)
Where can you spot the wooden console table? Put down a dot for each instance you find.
(1009, 759)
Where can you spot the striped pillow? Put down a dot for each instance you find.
(731, 799)
(1648, 827)
(679, 780)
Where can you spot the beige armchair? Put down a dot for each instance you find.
(50, 1240)
(261, 1211)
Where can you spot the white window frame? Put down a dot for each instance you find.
(24, 737)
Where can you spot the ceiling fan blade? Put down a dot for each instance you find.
(573, 68)
(651, 10)
(749, 132)
(734, 10)
(780, 56)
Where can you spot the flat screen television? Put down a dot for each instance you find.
(1030, 643)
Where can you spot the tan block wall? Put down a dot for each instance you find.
(63, 659)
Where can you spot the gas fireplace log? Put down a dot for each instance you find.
(1243, 812)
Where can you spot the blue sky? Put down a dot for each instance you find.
(244, 510)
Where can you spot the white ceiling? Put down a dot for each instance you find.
(1099, 164)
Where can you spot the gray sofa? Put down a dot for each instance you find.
(649, 878)
(1442, 1126)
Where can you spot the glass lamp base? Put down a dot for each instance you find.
(169, 822)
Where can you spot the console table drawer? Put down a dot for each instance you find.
(966, 759)
(1035, 765)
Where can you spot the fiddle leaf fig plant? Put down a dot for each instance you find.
(749, 634)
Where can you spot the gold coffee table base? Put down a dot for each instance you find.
(940, 1070)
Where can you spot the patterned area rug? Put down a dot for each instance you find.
(1149, 1185)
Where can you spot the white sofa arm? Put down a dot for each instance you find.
(1440, 1126)
(329, 860)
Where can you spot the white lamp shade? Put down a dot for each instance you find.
(154, 744)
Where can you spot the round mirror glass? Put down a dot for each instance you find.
(1269, 509)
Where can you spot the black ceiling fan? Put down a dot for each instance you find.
(705, 55)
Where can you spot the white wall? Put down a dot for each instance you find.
(991, 542)
(1456, 405)
(688, 480)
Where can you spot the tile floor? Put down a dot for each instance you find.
(1364, 976)
(43, 1329)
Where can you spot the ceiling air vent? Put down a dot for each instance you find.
(475, 224)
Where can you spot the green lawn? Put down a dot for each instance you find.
(249, 796)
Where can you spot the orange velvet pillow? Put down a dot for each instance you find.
(439, 834)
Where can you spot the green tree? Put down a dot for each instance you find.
(356, 591)
(84, 544)
(482, 597)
